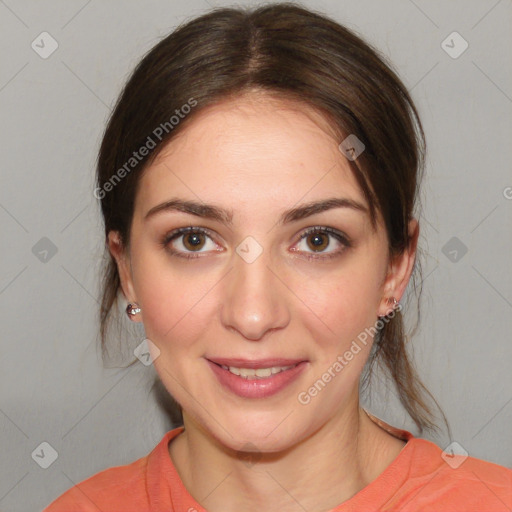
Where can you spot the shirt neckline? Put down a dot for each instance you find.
(380, 490)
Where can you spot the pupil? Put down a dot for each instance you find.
(317, 240)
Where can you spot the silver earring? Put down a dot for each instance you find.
(132, 309)
(390, 300)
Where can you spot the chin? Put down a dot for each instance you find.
(257, 432)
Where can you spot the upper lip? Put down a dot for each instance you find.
(255, 363)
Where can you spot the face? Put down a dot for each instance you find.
(256, 285)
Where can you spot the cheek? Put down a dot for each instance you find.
(174, 304)
(343, 305)
(154, 291)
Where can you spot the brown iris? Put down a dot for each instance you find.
(193, 241)
(317, 243)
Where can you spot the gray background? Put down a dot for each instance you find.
(52, 384)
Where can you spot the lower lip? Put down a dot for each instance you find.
(256, 388)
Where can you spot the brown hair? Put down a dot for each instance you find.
(291, 52)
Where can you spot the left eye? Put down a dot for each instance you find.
(318, 239)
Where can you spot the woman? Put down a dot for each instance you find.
(258, 179)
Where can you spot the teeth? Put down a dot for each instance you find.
(259, 373)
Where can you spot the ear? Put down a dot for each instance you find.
(400, 270)
(122, 258)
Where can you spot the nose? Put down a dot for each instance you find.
(255, 300)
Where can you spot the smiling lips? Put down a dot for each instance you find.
(256, 379)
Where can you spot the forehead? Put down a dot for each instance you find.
(256, 120)
(256, 149)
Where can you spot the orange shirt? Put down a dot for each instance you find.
(419, 479)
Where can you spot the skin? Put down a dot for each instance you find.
(259, 156)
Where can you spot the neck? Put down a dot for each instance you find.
(325, 469)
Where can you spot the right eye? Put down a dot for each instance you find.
(184, 242)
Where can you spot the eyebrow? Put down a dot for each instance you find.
(209, 211)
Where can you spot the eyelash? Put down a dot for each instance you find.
(168, 238)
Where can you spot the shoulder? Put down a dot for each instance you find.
(119, 488)
(105, 490)
(443, 481)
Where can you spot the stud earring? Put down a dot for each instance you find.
(389, 301)
(392, 300)
(132, 309)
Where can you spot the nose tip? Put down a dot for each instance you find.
(256, 333)
(254, 322)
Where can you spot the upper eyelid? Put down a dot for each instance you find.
(177, 233)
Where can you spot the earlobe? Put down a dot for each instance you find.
(392, 303)
(400, 271)
(118, 252)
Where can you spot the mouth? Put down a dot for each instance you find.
(256, 373)
(256, 378)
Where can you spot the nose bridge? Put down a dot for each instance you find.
(251, 270)
(253, 301)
